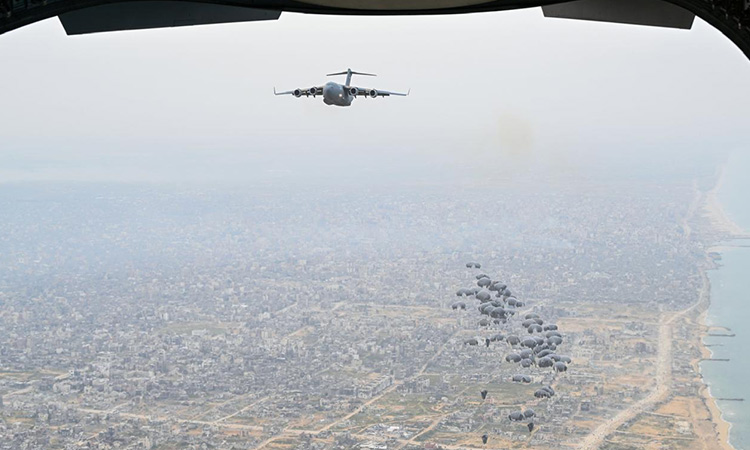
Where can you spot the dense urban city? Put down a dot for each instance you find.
(283, 318)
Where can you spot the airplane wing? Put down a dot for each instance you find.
(315, 90)
(368, 92)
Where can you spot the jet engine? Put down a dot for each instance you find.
(372, 93)
(353, 91)
(313, 91)
(297, 92)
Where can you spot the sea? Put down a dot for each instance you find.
(730, 308)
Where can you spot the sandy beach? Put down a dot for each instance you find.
(727, 229)
(721, 425)
(715, 212)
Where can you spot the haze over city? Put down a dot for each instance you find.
(510, 88)
(543, 246)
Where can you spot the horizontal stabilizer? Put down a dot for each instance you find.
(139, 15)
(348, 72)
(657, 13)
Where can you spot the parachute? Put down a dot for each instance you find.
(484, 296)
(497, 338)
(538, 349)
(513, 357)
(544, 353)
(542, 393)
(535, 329)
(545, 362)
(484, 282)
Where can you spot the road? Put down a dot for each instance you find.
(663, 379)
(146, 417)
(364, 405)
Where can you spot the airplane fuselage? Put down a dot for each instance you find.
(340, 94)
(336, 94)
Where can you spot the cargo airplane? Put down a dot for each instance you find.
(340, 94)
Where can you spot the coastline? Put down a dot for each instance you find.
(715, 212)
(720, 222)
(722, 426)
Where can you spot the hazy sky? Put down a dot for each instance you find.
(488, 91)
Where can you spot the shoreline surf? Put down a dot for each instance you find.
(728, 230)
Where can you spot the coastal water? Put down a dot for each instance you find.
(730, 307)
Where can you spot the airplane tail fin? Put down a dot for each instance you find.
(349, 74)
